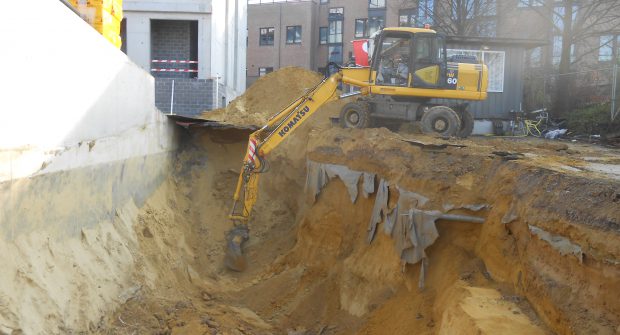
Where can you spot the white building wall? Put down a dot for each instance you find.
(82, 147)
(222, 32)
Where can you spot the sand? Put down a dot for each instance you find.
(312, 271)
(266, 97)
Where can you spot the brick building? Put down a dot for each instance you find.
(195, 49)
(527, 33)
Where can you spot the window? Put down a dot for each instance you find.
(487, 28)
(376, 3)
(264, 70)
(557, 50)
(335, 53)
(323, 35)
(495, 61)
(530, 3)
(394, 60)
(334, 32)
(336, 13)
(324, 2)
(487, 7)
(534, 57)
(266, 36)
(361, 27)
(293, 35)
(406, 17)
(375, 23)
(558, 17)
(426, 9)
(606, 50)
(609, 48)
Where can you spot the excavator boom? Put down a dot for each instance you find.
(260, 144)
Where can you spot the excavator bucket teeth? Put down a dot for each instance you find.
(236, 237)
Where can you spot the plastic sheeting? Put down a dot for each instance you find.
(320, 173)
(413, 230)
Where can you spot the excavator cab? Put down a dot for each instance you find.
(406, 59)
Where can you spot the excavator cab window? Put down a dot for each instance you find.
(429, 61)
(393, 60)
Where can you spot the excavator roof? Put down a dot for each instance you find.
(411, 30)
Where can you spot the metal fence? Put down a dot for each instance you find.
(586, 88)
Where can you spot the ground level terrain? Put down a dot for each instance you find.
(546, 259)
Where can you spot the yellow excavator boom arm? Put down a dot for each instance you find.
(279, 127)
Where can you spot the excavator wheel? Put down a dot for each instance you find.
(440, 120)
(467, 124)
(355, 115)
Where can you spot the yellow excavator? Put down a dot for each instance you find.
(408, 69)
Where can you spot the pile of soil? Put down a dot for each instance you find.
(266, 97)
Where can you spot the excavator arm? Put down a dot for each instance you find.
(260, 144)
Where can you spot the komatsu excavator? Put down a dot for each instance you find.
(408, 69)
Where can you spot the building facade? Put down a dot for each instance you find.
(527, 33)
(195, 49)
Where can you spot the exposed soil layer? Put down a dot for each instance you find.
(313, 272)
(546, 259)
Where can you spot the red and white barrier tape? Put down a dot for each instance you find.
(174, 61)
(173, 70)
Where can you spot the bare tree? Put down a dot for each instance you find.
(454, 17)
(573, 22)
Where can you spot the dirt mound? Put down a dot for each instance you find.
(266, 97)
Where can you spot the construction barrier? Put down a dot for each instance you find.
(173, 61)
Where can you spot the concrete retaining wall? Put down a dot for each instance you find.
(82, 146)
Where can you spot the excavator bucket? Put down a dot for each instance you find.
(235, 238)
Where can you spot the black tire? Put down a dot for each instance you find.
(355, 115)
(467, 124)
(441, 120)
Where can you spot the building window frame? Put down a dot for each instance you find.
(426, 10)
(323, 32)
(610, 42)
(335, 13)
(377, 4)
(496, 62)
(376, 22)
(410, 15)
(363, 24)
(534, 57)
(293, 34)
(530, 3)
(556, 50)
(323, 2)
(267, 31)
(334, 32)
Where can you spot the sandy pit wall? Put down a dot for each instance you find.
(82, 146)
(552, 236)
